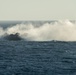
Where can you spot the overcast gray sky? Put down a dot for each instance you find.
(37, 9)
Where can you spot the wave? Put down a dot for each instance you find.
(58, 30)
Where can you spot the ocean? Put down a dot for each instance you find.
(46, 48)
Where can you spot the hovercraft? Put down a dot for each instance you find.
(13, 37)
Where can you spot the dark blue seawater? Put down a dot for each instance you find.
(37, 58)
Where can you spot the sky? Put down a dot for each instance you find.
(37, 9)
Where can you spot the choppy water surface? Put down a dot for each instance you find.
(37, 58)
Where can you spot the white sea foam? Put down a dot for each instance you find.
(60, 30)
(2, 32)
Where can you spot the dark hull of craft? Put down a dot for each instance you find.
(13, 37)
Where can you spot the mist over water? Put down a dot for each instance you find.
(58, 30)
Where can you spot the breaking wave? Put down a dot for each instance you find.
(58, 30)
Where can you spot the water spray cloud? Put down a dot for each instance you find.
(60, 30)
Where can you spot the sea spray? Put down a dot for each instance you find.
(2, 32)
(59, 30)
